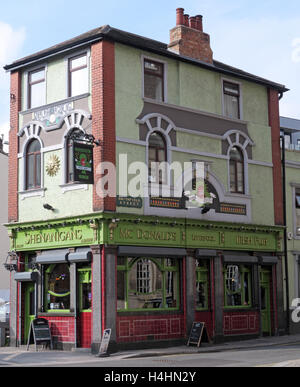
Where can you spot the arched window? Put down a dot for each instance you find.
(157, 153)
(70, 155)
(237, 176)
(33, 165)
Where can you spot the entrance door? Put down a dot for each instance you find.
(29, 308)
(265, 279)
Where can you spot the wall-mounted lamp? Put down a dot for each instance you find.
(205, 210)
(48, 207)
(12, 97)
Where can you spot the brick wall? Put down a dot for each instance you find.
(15, 107)
(188, 38)
(103, 111)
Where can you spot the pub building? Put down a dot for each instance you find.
(147, 279)
(144, 267)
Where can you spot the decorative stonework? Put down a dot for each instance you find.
(53, 166)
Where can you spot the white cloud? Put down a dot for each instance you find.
(11, 41)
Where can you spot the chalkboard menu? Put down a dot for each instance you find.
(198, 333)
(39, 332)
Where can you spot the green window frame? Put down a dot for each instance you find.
(147, 284)
(202, 284)
(48, 293)
(237, 286)
(85, 284)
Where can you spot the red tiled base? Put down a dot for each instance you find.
(155, 327)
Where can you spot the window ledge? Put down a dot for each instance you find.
(57, 314)
(73, 187)
(32, 193)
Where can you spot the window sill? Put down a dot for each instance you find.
(73, 187)
(32, 193)
(56, 314)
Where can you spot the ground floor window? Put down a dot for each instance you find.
(57, 288)
(147, 283)
(202, 281)
(238, 286)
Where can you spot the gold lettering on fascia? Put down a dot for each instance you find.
(251, 241)
(58, 236)
(203, 238)
(148, 235)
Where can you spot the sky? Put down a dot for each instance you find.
(258, 36)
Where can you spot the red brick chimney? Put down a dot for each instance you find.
(188, 38)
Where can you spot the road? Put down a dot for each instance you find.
(287, 355)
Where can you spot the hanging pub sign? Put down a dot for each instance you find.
(83, 163)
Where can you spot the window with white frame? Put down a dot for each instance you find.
(157, 157)
(231, 100)
(78, 75)
(33, 165)
(237, 174)
(154, 73)
(36, 88)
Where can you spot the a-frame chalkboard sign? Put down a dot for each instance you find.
(39, 333)
(198, 334)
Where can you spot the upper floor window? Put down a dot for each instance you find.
(70, 155)
(78, 75)
(36, 88)
(237, 179)
(33, 165)
(231, 98)
(157, 154)
(154, 80)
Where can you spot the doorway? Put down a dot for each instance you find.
(265, 294)
(29, 308)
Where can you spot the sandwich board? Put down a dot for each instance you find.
(40, 332)
(103, 351)
(198, 334)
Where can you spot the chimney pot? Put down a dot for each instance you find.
(186, 20)
(199, 22)
(179, 16)
(193, 22)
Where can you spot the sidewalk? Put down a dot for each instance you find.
(7, 354)
(210, 348)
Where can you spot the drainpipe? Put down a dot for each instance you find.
(75, 302)
(285, 237)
